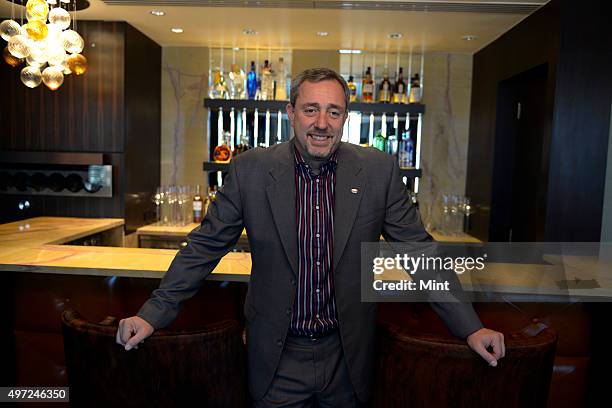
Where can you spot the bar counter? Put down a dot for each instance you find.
(42, 245)
(44, 271)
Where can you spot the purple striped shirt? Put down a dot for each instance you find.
(314, 310)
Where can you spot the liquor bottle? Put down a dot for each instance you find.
(353, 89)
(267, 82)
(198, 205)
(222, 152)
(236, 83)
(399, 90)
(392, 145)
(406, 151)
(281, 81)
(218, 90)
(367, 89)
(242, 147)
(384, 90)
(252, 81)
(415, 89)
(380, 142)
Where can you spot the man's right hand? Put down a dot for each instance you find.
(133, 331)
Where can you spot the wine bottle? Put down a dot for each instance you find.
(197, 205)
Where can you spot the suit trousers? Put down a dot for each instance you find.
(311, 373)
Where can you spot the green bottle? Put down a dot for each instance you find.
(380, 142)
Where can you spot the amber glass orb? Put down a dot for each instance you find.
(37, 30)
(19, 46)
(77, 64)
(10, 58)
(9, 28)
(31, 77)
(53, 77)
(60, 17)
(37, 10)
(72, 41)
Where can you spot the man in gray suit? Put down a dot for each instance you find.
(307, 205)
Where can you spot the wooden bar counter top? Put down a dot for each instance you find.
(39, 245)
(35, 245)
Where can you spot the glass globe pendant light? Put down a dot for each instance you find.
(77, 63)
(31, 77)
(48, 37)
(53, 77)
(10, 58)
(9, 28)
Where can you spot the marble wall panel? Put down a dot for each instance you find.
(447, 84)
(184, 118)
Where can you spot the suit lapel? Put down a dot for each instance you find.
(281, 196)
(350, 183)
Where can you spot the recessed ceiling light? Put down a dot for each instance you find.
(349, 51)
(236, 48)
(177, 30)
(158, 13)
(469, 37)
(396, 36)
(249, 31)
(322, 33)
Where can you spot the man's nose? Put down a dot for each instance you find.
(321, 122)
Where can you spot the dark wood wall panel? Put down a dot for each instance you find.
(573, 38)
(143, 126)
(531, 43)
(582, 119)
(84, 114)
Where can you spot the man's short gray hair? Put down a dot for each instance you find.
(317, 75)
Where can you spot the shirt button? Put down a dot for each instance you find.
(318, 263)
(318, 290)
(318, 235)
(317, 207)
(279, 342)
(288, 311)
(317, 316)
(317, 180)
(293, 282)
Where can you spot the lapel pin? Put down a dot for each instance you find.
(354, 190)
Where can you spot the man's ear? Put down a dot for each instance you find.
(290, 112)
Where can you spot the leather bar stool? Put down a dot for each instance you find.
(426, 370)
(202, 367)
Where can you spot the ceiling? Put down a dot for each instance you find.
(356, 24)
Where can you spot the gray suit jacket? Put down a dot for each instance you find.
(259, 195)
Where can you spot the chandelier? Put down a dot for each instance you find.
(47, 43)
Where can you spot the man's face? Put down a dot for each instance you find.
(318, 116)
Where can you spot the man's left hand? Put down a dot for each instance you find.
(480, 340)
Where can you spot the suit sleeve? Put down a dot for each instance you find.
(403, 224)
(206, 245)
